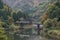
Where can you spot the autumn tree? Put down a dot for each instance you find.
(44, 17)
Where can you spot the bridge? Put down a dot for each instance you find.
(34, 25)
(31, 33)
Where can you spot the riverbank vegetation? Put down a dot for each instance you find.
(51, 20)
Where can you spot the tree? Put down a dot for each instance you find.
(15, 17)
(23, 15)
(48, 23)
(44, 17)
(1, 4)
(10, 20)
(5, 15)
(53, 10)
(2, 33)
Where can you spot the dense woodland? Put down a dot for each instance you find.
(50, 20)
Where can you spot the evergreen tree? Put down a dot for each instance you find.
(1, 4)
(53, 10)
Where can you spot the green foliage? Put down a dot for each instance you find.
(10, 20)
(48, 23)
(51, 25)
(15, 17)
(22, 14)
(58, 3)
(5, 15)
(2, 32)
(53, 10)
(58, 25)
(1, 12)
(54, 34)
(1, 4)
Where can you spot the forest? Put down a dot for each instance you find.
(49, 17)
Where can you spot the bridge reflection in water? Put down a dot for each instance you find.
(29, 33)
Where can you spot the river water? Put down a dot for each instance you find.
(28, 35)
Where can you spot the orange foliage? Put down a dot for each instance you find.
(44, 17)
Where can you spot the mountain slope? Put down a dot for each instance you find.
(16, 4)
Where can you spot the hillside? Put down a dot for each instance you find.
(23, 4)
